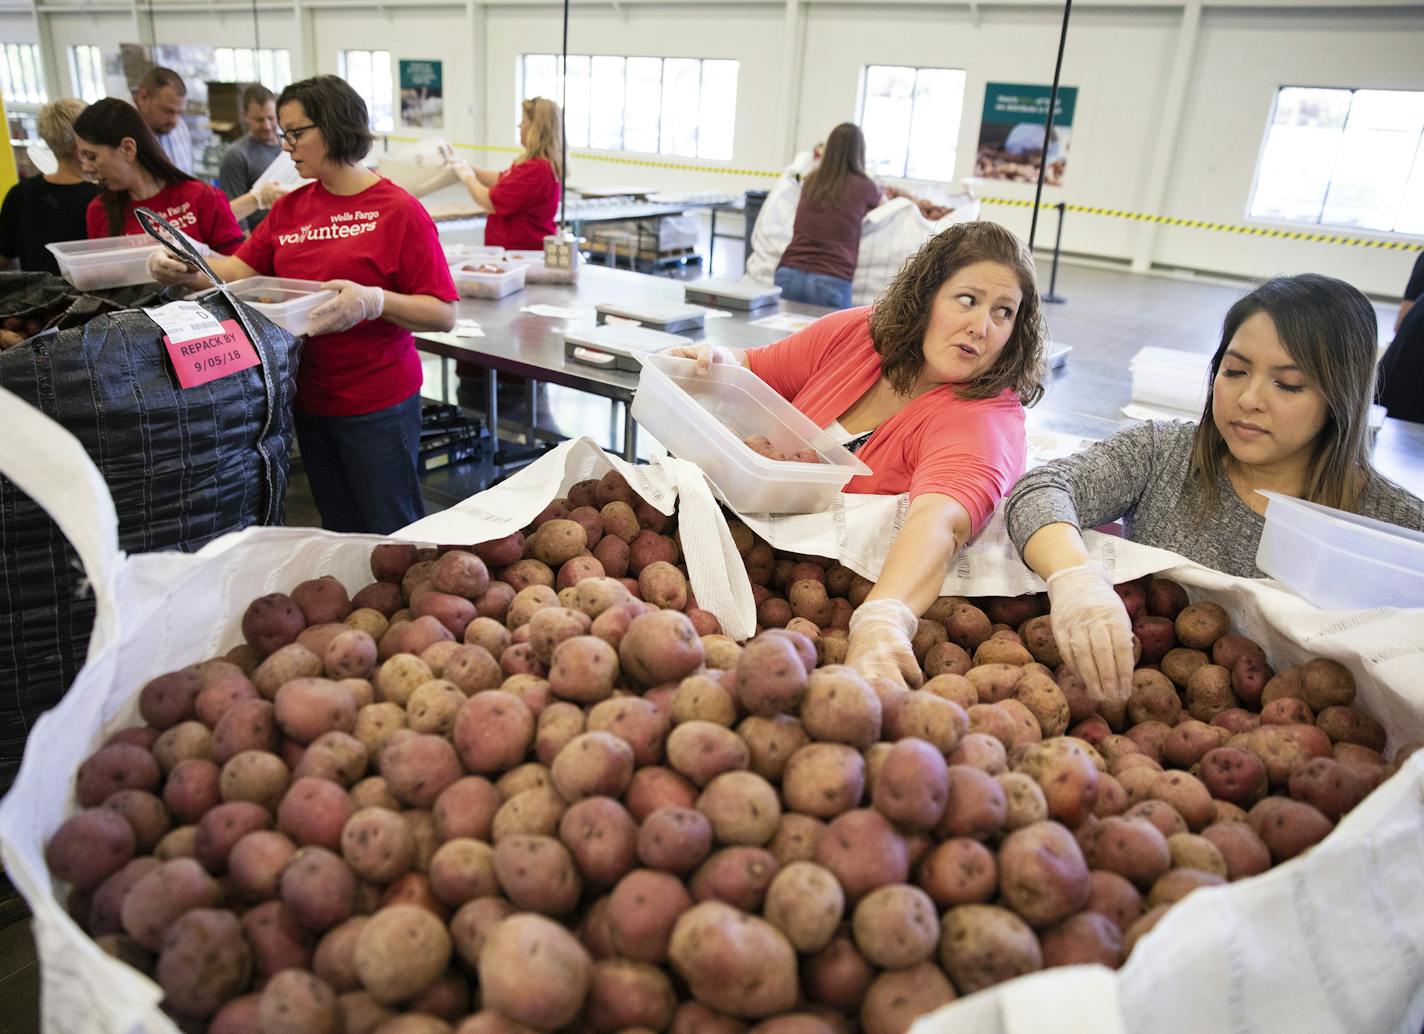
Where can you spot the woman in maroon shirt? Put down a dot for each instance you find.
(523, 199)
(818, 264)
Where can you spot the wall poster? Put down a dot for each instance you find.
(422, 98)
(1011, 144)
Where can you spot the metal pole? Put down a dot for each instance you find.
(1053, 297)
(563, 125)
(1048, 128)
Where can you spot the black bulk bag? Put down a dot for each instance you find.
(184, 466)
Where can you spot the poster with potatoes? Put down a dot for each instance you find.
(1011, 135)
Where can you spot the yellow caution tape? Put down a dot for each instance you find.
(1112, 213)
(1202, 224)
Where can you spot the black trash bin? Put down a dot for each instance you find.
(754, 199)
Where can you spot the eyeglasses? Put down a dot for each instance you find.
(291, 137)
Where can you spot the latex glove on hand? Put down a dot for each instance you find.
(880, 634)
(267, 194)
(1092, 630)
(353, 304)
(459, 167)
(168, 270)
(705, 355)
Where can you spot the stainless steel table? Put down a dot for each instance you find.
(526, 345)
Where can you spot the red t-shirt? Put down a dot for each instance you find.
(525, 199)
(198, 209)
(381, 237)
(826, 236)
(972, 450)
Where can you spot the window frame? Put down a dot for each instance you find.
(279, 56)
(663, 123)
(17, 52)
(1416, 170)
(76, 75)
(904, 173)
(373, 121)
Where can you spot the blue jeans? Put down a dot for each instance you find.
(362, 469)
(797, 285)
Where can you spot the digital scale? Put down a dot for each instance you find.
(618, 346)
(669, 316)
(731, 294)
(1057, 355)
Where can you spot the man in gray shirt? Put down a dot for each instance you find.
(249, 157)
(161, 98)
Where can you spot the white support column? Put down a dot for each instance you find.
(51, 59)
(793, 61)
(1164, 151)
(475, 17)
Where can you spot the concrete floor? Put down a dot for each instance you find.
(1109, 314)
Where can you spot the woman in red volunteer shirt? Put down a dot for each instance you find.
(358, 386)
(523, 200)
(927, 387)
(119, 152)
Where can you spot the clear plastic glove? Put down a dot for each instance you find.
(1092, 630)
(705, 355)
(267, 194)
(461, 168)
(168, 269)
(353, 304)
(880, 634)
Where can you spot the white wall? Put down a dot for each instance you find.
(799, 74)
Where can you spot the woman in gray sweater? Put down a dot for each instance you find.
(1287, 412)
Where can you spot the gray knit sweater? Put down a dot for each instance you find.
(1140, 475)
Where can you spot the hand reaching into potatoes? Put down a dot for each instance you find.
(1093, 632)
(880, 633)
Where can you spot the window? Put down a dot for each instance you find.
(1344, 158)
(911, 117)
(676, 105)
(86, 72)
(22, 75)
(268, 66)
(369, 73)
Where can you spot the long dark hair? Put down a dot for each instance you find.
(902, 313)
(843, 158)
(106, 123)
(1331, 332)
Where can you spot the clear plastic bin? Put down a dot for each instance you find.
(1339, 560)
(705, 418)
(538, 272)
(93, 265)
(462, 253)
(287, 303)
(472, 283)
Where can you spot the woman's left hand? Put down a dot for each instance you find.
(353, 304)
(880, 634)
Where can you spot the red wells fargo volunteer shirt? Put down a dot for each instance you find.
(198, 209)
(525, 200)
(381, 237)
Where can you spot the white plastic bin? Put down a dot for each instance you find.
(472, 283)
(705, 418)
(1338, 560)
(462, 253)
(93, 265)
(287, 303)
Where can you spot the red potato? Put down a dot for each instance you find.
(701, 751)
(271, 622)
(527, 951)
(119, 766)
(164, 894)
(1042, 873)
(89, 847)
(256, 862)
(1114, 896)
(642, 912)
(983, 945)
(733, 962)
(493, 732)
(624, 994)
(537, 873)
(896, 926)
(959, 871)
(739, 876)
(400, 951)
(895, 999)
(772, 742)
(863, 851)
(1083, 939)
(660, 648)
(913, 786)
(603, 839)
(674, 839)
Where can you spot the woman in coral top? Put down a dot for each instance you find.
(118, 152)
(928, 388)
(523, 200)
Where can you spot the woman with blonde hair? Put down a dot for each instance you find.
(1287, 411)
(46, 209)
(523, 200)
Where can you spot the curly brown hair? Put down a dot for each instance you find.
(902, 314)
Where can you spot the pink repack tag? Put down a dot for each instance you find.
(211, 356)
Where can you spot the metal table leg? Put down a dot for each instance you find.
(444, 379)
(531, 423)
(492, 412)
(612, 423)
(630, 434)
(712, 241)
